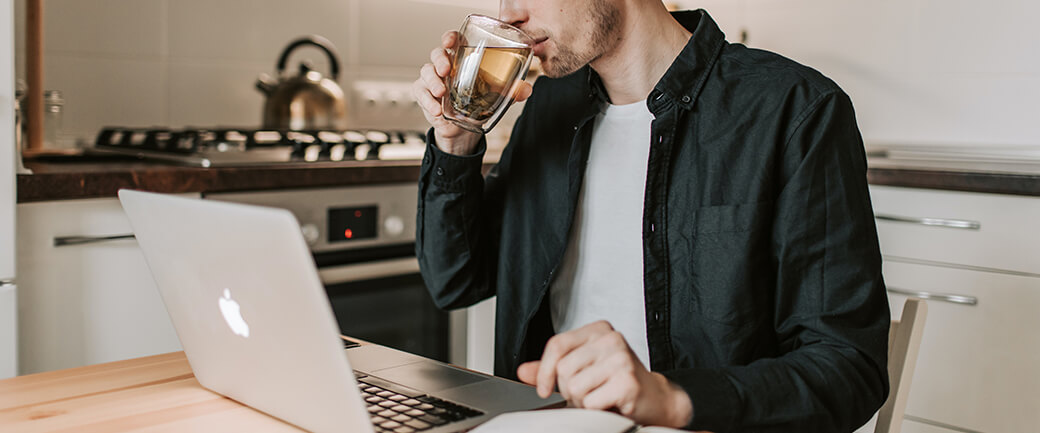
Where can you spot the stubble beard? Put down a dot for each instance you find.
(606, 22)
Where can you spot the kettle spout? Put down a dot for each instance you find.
(266, 84)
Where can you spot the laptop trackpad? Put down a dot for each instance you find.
(429, 376)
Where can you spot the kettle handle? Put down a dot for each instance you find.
(316, 41)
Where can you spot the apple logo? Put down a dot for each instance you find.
(233, 314)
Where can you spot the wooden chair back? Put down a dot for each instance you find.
(904, 341)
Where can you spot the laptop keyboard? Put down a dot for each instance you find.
(397, 409)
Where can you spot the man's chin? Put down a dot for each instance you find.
(555, 70)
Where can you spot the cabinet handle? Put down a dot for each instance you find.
(940, 222)
(954, 299)
(64, 241)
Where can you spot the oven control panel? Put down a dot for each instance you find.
(343, 218)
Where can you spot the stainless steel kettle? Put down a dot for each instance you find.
(307, 100)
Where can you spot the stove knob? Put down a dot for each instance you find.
(310, 233)
(393, 225)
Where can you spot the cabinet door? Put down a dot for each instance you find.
(88, 303)
(977, 368)
(940, 226)
(910, 426)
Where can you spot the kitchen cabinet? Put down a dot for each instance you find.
(940, 226)
(978, 258)
(977, 365)
(84, 303)
(910, 426)
(8, 150)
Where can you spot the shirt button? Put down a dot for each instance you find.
(440, 171)
(686, 99)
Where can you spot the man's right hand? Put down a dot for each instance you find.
(430, 88)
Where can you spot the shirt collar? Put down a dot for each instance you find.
(685, 78)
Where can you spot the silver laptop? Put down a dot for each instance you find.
(255, 323)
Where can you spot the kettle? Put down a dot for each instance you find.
(308, 100)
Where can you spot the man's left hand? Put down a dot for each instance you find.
(595, 369)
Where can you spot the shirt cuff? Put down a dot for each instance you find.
(452, 172)
(716, 404)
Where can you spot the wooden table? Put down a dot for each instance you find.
(152, 394)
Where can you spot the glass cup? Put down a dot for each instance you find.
(488, 62)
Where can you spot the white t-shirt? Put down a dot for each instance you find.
(601, 276)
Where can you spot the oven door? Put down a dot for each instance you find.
(384, 301)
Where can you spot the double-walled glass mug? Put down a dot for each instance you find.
(489, 61)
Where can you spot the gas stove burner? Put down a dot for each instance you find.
(244, 146)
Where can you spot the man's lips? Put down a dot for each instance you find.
(539, 46)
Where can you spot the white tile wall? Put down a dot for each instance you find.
(195, 62)
(390, 37)
(919, 71)
(108, 91)
(254, 30)
(106, 28)
(208, 93)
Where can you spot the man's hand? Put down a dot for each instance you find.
(430, 88)
(595, 369)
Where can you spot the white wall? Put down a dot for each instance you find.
(918, 71)
(195, 62)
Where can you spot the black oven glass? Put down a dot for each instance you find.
(352, 223)
(393, 311)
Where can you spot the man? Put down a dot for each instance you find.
(679, 229)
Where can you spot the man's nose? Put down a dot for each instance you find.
(512, 12)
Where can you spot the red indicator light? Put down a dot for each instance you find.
(348, 233)
(357, 214)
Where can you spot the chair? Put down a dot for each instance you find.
(904, 341)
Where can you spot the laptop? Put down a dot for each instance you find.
(244, 296)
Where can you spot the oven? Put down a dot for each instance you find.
(363, 242)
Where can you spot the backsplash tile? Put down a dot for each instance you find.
(253, 30)
(215, 93)
(106, 28)
(918, 70)
(403, 32)
(101, 91)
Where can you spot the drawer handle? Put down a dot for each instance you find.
(954, 299)
(64, 241)
(940, 222)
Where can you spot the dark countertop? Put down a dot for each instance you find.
(998, 177)
(74, 180)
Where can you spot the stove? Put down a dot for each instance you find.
(219, 147)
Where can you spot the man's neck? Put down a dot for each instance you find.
(650, 41)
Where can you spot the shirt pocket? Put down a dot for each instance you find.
(732, 270)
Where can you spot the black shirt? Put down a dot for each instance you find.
(762, 273)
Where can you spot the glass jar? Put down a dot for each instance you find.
(19, 117)
(53, 112)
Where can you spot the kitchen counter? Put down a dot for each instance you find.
(998, 177)
(74, 180)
